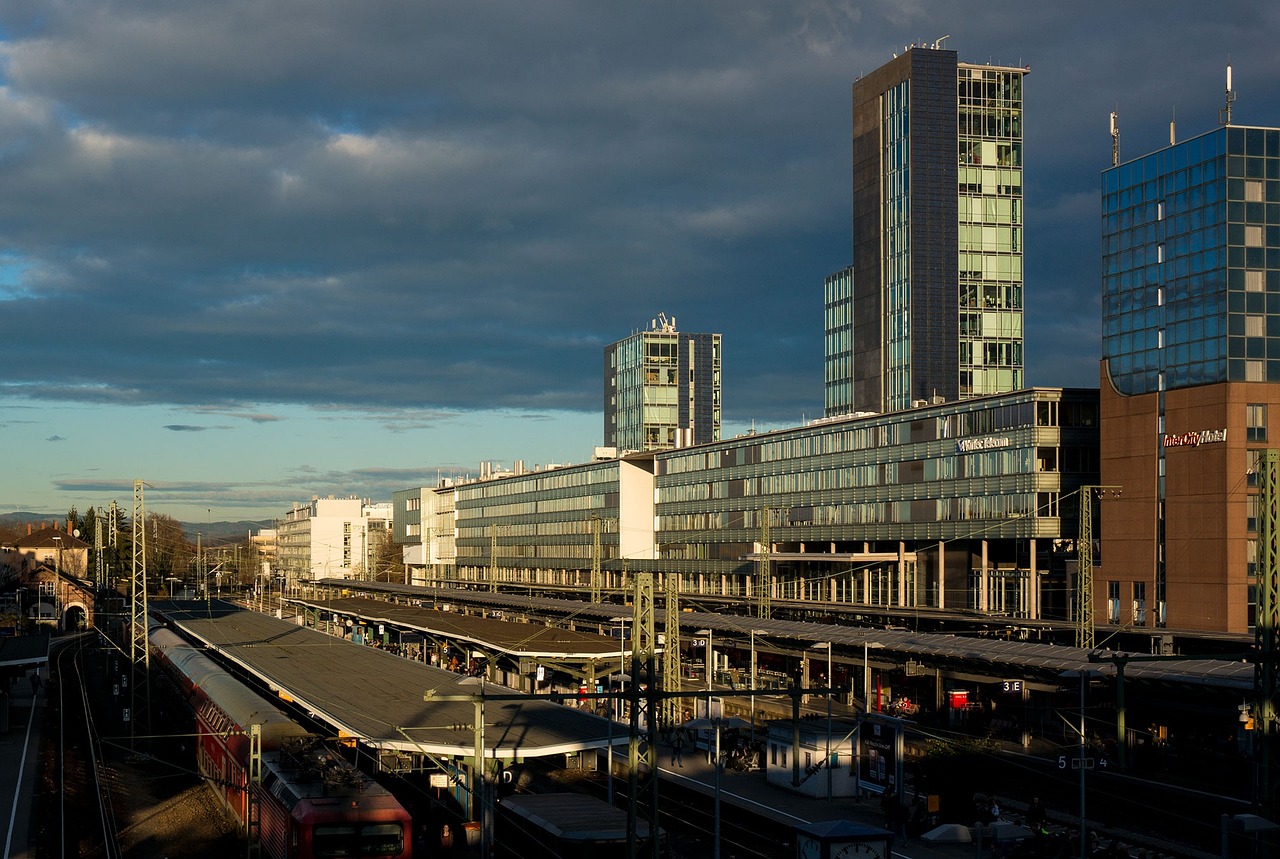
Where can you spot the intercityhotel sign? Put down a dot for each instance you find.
(1195, 438)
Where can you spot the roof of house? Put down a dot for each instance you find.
(49, 538)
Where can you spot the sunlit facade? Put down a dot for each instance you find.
(662, 389)
(1190, 377)
(936, 301)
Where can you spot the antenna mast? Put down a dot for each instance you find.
(1224, 115)
(1115, 139)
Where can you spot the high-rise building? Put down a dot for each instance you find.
(1190, 377)
(662, 389)
(935, 306)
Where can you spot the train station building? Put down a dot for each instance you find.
(959, 507)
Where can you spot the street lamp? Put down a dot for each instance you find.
(827, 763)
(867, 646)
(754, 633)
(1085, 674)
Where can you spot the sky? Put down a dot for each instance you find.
(255, 251)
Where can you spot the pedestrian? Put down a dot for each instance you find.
(891, 807)
(677, 751)
(35, 682)
(1036, 816)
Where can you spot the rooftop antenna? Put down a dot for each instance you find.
(1115, 138)
(1173, 123)
(937, 46)
(1224, 115)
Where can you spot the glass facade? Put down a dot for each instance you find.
(937, 232)
(859, 509)
(662, 390)
(896, 254)
(1191, 263)
(990, 223)
(837, 349)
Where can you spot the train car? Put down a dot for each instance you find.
(311, 803)
(564, 826)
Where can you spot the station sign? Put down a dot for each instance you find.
(1011, 686)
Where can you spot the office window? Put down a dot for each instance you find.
(1256, 422)
(1113, 602)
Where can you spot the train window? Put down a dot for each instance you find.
(381, 839)
(373, 839)
(334, 841)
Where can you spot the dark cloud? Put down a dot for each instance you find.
(184, 428)
(56, 438)
(446, 206)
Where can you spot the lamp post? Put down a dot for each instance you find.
(866, 671)
(481, 799)
(827, 763)
(1084, 674)
(711, 661)
(754, 633)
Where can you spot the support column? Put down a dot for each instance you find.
(942, 576)
(1033, 586)
(984, 582)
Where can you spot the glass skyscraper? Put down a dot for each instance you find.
(935, 309)
(662, 389)
(1191, 254)
(1191, 355)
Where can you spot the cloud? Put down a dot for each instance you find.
(56, 438)
(425, 209)
(185, 428)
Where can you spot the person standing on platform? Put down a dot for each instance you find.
(677, 750)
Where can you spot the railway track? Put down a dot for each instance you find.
(99, 796)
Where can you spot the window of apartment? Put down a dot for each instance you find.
(1139, 603)
(1113, 602)
(1256, 422)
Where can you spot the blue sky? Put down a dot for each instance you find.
(258, 250)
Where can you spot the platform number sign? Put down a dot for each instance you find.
(1011, 686)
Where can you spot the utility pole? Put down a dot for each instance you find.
(139, 653)
(671, 650)
(643, 748)
(1266, 672)
(764, 575)
(1084, 563)
(597, 574)
(493, 557)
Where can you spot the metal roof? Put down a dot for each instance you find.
(24, 650)
(376, 696)
(536, 641)
(993, 657)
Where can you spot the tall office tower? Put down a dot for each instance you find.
(662, 389)
(936, 303)
(1190, 377)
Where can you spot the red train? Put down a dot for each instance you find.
(312, 803)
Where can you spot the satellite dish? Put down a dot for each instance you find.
(76, 533)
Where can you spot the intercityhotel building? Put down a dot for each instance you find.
(1190, 378)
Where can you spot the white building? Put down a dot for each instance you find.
(425, 528)
(330, 538)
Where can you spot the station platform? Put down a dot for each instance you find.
(751, 791)
(20, 763)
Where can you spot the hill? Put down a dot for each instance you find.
(211, 533)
